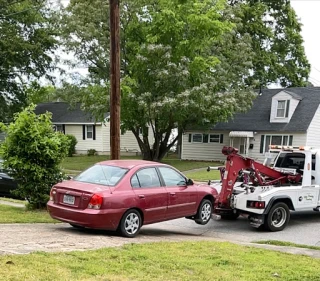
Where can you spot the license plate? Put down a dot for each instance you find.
(68, 199)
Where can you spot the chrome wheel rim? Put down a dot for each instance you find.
(279, 217)
(131, 223)
(206, 212)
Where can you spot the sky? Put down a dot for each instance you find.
(308, 13)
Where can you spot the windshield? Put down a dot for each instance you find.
(102, 174)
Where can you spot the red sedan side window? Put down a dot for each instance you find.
(171, 177)
(146, 178)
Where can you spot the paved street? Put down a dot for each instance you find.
(26, 238)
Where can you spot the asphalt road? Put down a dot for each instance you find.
(25, 238)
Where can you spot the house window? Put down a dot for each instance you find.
(205, 138)
(197, 138)
(89, 132)
(59, 128)
(277, 140)
(214, 138)
(283, 108)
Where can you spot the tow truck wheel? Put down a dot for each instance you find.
(204, 213)
(278, 217)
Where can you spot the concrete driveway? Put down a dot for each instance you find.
(26, 238)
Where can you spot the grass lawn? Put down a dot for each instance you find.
(82, 162)
(163, 261)
(10, 214)
(203, 175)
(289, 244)
(13, 200)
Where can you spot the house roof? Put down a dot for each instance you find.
(258, 117)
(62, 112)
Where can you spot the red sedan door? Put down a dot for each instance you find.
(152, 198)
(182, 199)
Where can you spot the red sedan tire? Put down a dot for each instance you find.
(203, 215)
(130, 223)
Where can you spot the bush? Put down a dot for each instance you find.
(32, 152)
(72, 145)
(91, 152)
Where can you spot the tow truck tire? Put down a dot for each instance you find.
(278, 217)
(204, 213)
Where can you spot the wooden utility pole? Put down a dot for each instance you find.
(114, 79)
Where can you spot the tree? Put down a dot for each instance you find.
(27, 40)
(32, 152)
(182, 63)
(279, 55)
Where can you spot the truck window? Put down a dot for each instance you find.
(293, 160)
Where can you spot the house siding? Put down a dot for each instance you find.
(313, 133)
(203, 151)
(213, 151)
(128, 142)
(83, 145)
(298, 140)
(274, 105)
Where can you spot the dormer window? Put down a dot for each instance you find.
(283, 108)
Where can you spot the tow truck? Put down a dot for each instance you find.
(266, 195)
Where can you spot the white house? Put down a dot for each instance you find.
(288, 116)
(90, 133)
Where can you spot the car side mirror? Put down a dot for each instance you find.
(189, 182)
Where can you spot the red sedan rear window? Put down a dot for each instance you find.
(102, 174)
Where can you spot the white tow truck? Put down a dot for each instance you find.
(266, 195)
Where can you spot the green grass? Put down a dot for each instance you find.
(194, 261)
(10, 214)
(203, 175)
(13, 200)
(79, 163)
(288, 244)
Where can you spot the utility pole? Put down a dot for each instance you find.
(114, 79)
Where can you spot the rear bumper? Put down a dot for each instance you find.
(97, 219)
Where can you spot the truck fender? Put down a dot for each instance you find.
(281, 198)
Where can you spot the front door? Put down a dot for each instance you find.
(151, 197)
(240, 144)
(182, 199)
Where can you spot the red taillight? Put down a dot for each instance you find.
(52, 194)
(95, 202)
(256, 204)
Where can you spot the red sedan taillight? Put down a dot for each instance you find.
(52, 194)
(95, 202)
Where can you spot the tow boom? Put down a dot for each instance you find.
(251, 171)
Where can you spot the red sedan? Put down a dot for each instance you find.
(123, 195)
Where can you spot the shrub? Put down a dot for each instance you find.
(72, 144)
(91, 152)
(32, 152)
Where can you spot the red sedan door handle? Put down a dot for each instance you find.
(141, 196)
(172, 193)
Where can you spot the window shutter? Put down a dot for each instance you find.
(205, 138)
(262, 144)
(221, 138)
(290, 140)
(190, 137)
(94, 132)
(64, 128)
(83, 132)
(288, 107)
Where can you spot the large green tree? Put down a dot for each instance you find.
(27, 40)
(279, 55)
(183, 63)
